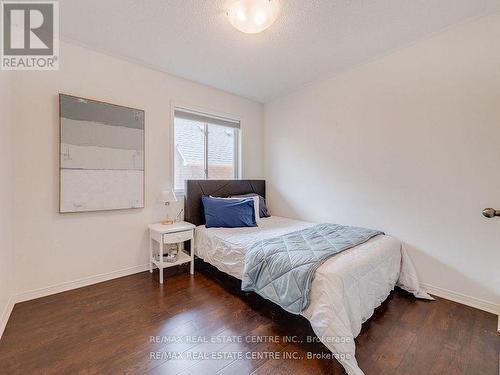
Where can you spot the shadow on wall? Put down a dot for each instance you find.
(286, 208)
(421, 257)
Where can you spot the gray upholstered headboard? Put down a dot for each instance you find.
(195, 189)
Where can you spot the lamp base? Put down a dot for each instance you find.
(167, 222)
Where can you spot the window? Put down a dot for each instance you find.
(205, 147)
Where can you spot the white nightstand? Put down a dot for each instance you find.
(175, 233)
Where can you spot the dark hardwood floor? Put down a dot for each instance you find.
(107, 328)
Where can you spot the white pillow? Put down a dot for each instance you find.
(256, 207)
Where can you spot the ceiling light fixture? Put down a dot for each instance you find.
(253, 16)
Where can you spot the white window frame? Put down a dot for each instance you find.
(212, 114)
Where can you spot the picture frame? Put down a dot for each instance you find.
(101, 155)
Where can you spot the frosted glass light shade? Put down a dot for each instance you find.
(253, 16)
(167, 196)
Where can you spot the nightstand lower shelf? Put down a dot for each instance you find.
(183, 257)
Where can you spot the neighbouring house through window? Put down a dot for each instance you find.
(205, 147)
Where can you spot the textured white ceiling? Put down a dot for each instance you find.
(311, 38)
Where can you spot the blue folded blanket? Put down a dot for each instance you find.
(281, 269)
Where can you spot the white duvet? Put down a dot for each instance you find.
(345, 289)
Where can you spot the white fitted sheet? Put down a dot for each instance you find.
(346, 288)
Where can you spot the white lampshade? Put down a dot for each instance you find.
(168, 196)
(253, 16)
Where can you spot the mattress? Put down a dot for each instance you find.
(345, 290)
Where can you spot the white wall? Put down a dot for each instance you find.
(6, 197)
(51, 248)
(408, 143)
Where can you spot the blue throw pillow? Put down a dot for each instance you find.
(227, 213)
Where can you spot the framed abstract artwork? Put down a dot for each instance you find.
(101, 163)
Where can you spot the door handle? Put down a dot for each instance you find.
(490, 212)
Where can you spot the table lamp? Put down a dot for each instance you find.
(167, 197)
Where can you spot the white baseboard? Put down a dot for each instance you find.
(6, 314)
(85, 281)
(463, 299)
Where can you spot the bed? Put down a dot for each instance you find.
(346, 288)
